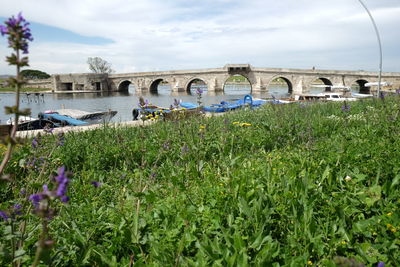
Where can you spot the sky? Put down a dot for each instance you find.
(155, 35)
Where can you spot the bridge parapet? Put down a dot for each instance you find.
(260, 79)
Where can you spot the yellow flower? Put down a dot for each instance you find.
(393, 230)
(309, 262)
(389, 214)
(343, 242)
(202, 127)
(235, 122)
(245, 124)
(389, 225)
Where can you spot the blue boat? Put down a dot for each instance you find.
(62, 119)
(226, 106)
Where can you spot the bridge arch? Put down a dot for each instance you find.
(359, 86)
(194, 80)
(123, 85)
(315, 84)
(243, 81)
(155, 83)
(278, 80)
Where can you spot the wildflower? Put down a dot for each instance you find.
(176, 103)
(245, 124)
(95, 184)
(309, 262)
(202, 127)
(60, 192)
(185, 149)
(380, 264)
(235, 122)
(62, 181)
(389, 214)
(48, 129)
(345, 107)
(343, 242)
(166, 145)
(3, 215)
(347, 178)
(35, 143)
(61, 139)
(18, 33)
(17, 209)
(36, 198)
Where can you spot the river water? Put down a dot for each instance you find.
(124, 102)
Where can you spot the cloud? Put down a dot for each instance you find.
(161, 35)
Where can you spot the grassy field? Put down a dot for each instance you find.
(284, 185)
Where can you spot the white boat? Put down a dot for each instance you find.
(337, 97)
(90, 117)
(21, 119)
(359, 95)
(377, 83)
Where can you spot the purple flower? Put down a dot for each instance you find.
(167, 145)
(185, 149)
(3, 215)
(96, 184)
(62, 181)
(345, 107)
(48, 129)
(380, 264)
(64, 199)
(17, 209)
(18, 33)
(199, 91)
(61, 139)
(35, 143)
(176, 103)
(36, 198)
(3, 30)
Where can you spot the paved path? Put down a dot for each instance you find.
(66, 129)
(32, 133)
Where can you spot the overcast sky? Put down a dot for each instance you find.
(151, 35)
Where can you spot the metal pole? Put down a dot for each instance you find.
(380, 47)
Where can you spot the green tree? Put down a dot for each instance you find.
(34, 74)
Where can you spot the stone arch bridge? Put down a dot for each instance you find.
(297, 80)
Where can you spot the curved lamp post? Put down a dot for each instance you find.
(380, 47)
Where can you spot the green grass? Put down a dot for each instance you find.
(303, 184)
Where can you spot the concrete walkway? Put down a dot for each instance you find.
(66, 129)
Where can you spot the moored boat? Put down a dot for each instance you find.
(89, 117)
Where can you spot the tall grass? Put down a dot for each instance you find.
(284, 185)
